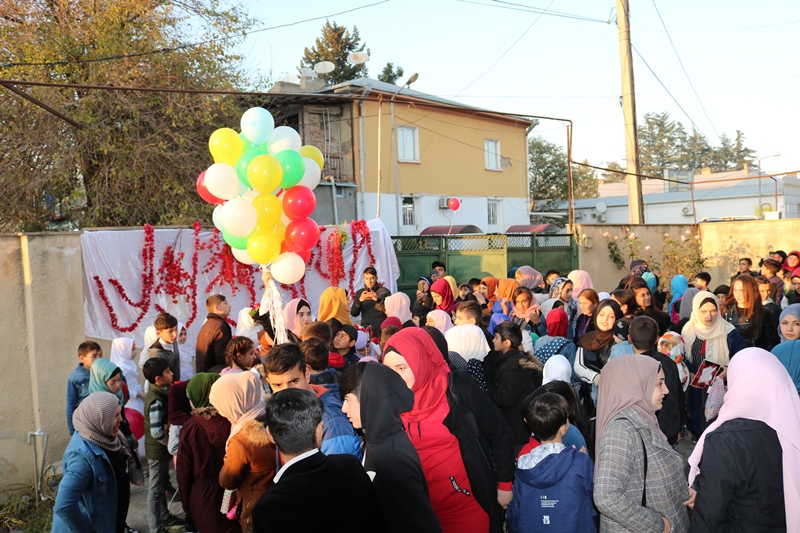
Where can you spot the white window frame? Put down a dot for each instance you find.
(496, 205)
(491, 159)
(413, 211)
(402, 157)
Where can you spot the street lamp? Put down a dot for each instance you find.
(760, 172)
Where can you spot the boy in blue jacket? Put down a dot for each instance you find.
(553, 483)
(78, 382)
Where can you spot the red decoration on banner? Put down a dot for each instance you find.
(230, 271)
(360, 232)
(148, 252)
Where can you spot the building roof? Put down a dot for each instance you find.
(533, 228)
(451, 230)
(392, 89)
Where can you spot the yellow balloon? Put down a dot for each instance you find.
(264, 173)
(269, 210)
(313, 153)
(263, 248)
(225, 146)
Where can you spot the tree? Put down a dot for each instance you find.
(390, 74)
(335, 44)
(744, 155)
(135, 155)
(547, 168)
(617, 174)
(658, 144)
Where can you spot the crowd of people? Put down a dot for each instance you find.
(529, 403)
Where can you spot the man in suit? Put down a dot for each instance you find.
(294, 424)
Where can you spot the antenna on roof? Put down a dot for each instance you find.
(324, 67)
(357, 58)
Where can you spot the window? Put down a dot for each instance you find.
(407, 144)
(491, 150)
(408, 211)
(493, 207)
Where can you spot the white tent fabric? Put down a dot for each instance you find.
(117, 255)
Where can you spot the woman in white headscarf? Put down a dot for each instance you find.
(122, 356)
(250, 464)
(469, 341)
(246, 327)
(707, 337)
(185, 355)
(399, 305)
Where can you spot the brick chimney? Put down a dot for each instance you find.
(705, 171)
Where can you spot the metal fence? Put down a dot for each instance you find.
(477, 256)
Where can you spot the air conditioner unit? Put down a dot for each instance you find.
(688, 211)
(443, 203)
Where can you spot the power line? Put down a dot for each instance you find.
(169, 49)
(684, 70)
(507, 51)
(531, 9)
(667, 90)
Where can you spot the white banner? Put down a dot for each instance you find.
(113, 264)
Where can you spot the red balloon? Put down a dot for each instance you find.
(305, 254)
(301, 234)
(299, 202)
(203, 192)
(454, 204)
(136, 421)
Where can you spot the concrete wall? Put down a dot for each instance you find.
(41, 288)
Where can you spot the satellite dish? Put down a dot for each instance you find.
(601, 207)
(324, 67)
(291, 78)
(308, 73)
(357, 58)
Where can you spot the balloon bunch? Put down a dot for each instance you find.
(263, 182)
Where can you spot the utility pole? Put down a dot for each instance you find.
(635, 202)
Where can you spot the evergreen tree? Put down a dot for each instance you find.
(547, 167)
(658, 144)
(390, 74)
(744, 155)
(613, 177)
(723, 157)
(335, 44)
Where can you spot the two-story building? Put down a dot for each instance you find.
(409, 152)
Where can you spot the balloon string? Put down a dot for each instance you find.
(276, 312)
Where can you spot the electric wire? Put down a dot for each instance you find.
(507, 51)
(531, 9)
(169, 49)
(680, 62)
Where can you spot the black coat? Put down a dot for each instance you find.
(673, 409)
(320, 493)
(511, 383)
(212, 340)
(740, 485)
(370, 315)
(390, 457)
(487, 449)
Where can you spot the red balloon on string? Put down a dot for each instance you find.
(301, 234)
(454, 204)
(203, 192)
(136, 422)
(305, 255)
(299, 202)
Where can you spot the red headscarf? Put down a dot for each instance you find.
(557, 323)
(429, 368)
(491, 288)
(442, 288)
(785, 264)
(392, 321)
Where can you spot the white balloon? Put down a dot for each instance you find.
(284, 138)
(285, 220)
(250, 194)
(257, 125)
(242, 256)
(313, 173)
(222, 181)
(216, 218)
(238, 217)
(288, 268)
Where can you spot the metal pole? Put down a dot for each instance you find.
(397, 201)
(570, 208)
(635, 207)
(380, 149)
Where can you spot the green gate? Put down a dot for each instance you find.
(477, 256)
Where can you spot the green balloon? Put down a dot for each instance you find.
(247, 144)
(293, 167)
(240, 243)
(243, 162)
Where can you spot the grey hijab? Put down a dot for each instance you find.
(94, 420)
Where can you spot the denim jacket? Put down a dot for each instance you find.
(87, 495)
(77, 390)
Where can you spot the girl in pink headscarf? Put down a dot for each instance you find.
(439, 320)
(746, 465)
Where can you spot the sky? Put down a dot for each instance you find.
(742, 60)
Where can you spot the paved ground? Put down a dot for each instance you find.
(137, 512)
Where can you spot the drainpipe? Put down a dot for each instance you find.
(362, 154)
(396, 180)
